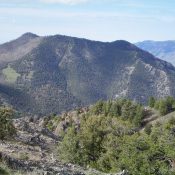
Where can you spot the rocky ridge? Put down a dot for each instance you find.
(34, 150)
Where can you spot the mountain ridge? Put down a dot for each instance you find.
(60, 73)
(162, 49)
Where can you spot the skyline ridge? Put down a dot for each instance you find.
(110, 41)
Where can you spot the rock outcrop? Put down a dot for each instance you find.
(34, 150)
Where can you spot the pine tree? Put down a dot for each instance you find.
(163, 108)
(139, 116)
(6, 127)
(151, 102)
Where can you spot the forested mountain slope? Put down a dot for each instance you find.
(58, 73)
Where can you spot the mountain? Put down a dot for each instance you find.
(18, 48)
(43, 75)
(164, 50)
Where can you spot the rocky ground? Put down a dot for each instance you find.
(34, 149)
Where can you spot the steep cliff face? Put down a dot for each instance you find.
(59, 73)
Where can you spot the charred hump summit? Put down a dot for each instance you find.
(58, 73)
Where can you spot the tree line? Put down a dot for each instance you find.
(164, 106)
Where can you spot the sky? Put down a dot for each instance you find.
(103, 20)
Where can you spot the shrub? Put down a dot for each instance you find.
(104, 141)
(148, 129)
(6, 126)
(151, 102)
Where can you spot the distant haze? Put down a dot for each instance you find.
(164, 50)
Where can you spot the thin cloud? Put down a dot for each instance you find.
(69, 2)
(93, 15)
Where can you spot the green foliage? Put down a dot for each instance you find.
(170, 102)
(138, 115)
(99, 108)
(156, 105)
(70, 148)
(87, 145)
(104, 141)
(164, 106)
(172, 121)
(124, 109)
(10, 74)
(6, 127)
(151, 102)
(51, 121)
(148, 129)
(3, 171)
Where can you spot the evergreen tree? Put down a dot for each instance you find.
(170, 102)
(139, 116)
(6, 127)
(151, 102)
(69, 148)
(126, 110)
(107, 143)
(163, 108)
(98, 108)
(148, 129)
(157, 104)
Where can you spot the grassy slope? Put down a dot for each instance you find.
(10, 74)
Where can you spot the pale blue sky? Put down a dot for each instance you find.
(104, 20)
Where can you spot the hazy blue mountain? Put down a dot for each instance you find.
(164, 50)
(58, 73)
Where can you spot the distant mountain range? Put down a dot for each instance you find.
(164, 50)
(52, 74)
